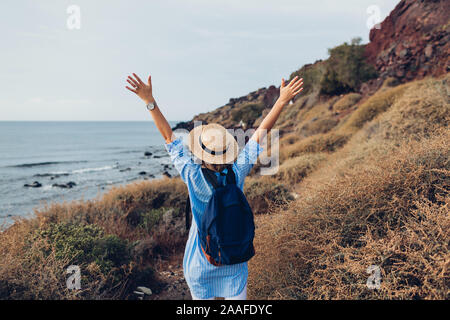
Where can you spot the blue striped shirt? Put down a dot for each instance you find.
(204, 279)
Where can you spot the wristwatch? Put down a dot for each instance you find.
(150, 106)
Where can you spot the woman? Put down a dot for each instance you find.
(218, 151)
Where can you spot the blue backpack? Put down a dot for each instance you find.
(227, 229)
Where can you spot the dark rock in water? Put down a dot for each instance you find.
(166, 166)
(157, 157)
(167, 174)
(151, 175)
(142, 172)
(126, 169)
(35, 184)
(71, 184)
(67, 185)
(147, 154)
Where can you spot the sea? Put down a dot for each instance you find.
(73, 160)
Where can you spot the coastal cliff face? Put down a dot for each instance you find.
(413, 42)
(227, 115)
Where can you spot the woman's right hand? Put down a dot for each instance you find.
(288, 92)
(144, 91)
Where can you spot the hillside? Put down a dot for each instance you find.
(413, 42)
(363, 181)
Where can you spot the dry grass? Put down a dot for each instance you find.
(327, 142)
(380, 200)
(33, 264)
(390, 211)
(289, 138)
(317, 126)
(119, 210)
(293, 170)
(265, 194)
(422, 110)
(346, 102)
(375, 105)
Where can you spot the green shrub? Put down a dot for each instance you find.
(312, 75)
(150, 218)
(84, 244)
(248, 113)
(346, 69)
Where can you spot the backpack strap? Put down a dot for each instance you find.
(188, 212)
(231, 177)
(211, 178)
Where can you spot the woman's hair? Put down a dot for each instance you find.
(215, 167)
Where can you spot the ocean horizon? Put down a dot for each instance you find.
(74, 160)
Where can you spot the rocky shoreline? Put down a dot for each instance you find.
(167, 170)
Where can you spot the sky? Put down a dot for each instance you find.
(200, 53)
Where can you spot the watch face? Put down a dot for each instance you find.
(151, 106)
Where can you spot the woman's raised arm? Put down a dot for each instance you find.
(287, 93)
(144, 91)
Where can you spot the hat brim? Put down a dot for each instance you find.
(229, 156)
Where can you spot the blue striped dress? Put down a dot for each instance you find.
(204, 279)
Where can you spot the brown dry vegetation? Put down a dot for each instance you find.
(390, 210)
(346, 102)
(370, 187)
(293, 170)
(380, 200)
(375, 105)
(115, 239)
(327, 142)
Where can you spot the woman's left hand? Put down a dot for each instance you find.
(287, 93)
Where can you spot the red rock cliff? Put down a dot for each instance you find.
(413, 40)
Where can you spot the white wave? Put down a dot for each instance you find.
(59, 172)
(93, 169)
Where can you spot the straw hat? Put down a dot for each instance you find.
(213, 144)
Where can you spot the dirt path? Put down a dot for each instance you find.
(173, 285)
